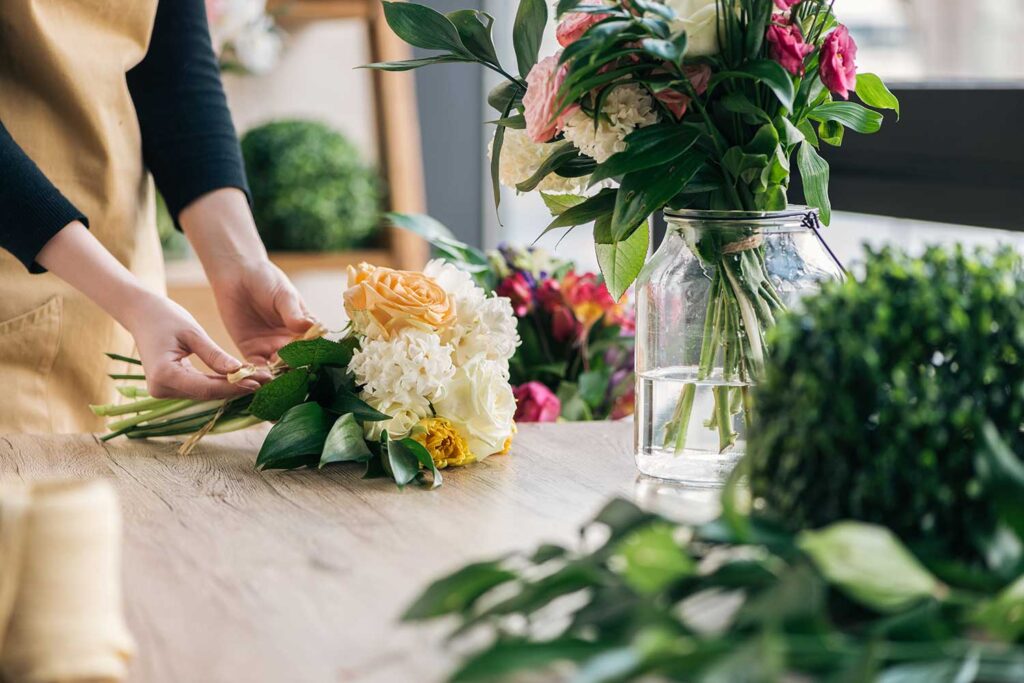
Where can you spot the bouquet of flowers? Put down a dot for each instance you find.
(576, 358)
(245, 36)
(418, 382)
(678, 104)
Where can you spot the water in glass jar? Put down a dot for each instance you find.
(689, 430)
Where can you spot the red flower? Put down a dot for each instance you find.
(575, 25)
(678, 102)
(786, 45)
(838, 62)
(785, 4)
(563, 324)
(517, 288)
(536, 403)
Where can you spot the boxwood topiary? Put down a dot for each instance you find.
(311, 191)
(899, 399)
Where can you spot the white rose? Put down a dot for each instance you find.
(699, 18)
(479, 402)
(403, 418)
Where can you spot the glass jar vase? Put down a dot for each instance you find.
(704, 302)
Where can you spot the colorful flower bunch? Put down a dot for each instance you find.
(575, 361)
(418, 382)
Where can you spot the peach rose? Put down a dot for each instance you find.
(381, 301)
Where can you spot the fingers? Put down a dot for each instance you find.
(292, 309)
(175, 380)
(216, 358)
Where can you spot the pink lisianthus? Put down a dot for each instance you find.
(786, 45)
(541, 103)
(575, 25)
(517, 288)
(838, 62)
(785, 4)
(678, 102)
(536, 403)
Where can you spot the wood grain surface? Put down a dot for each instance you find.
(237, 575)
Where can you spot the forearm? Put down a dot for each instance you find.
(220, 227)
(75, 256)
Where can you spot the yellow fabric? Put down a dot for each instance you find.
(61, 608)
(66, 103)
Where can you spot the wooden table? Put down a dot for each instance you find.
(237, 575)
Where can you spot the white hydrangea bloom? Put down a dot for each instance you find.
(493, 335)
(483, 326)
(626, 108)
(410, 369)
(404, 417)
(520, 159)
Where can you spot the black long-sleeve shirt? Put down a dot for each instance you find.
(189, 143)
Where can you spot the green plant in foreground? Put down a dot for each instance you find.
(311, 190)
(899, 399)
(734, 601)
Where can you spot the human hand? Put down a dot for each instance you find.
(166, 335)
(260, 308)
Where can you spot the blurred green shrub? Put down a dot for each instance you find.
(898, 399)
(311, 191)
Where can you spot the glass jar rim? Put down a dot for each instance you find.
(793, 211)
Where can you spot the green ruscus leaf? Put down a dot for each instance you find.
(297, 440)
(814, 172)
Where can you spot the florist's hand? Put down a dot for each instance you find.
(261, 310)
(166, 335)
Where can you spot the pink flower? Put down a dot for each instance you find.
(786, 45)
(678, 102)
(785, 4)
(575, 25)
(517, 288)
(543, 122)
(536, 403)
(838, 62)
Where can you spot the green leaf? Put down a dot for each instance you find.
(621, 260)
(671, 51)
(622, 516)
(653, 560)
(738, 103)
(850, 114)
(872, 92)
(402, 462)
(297, 440)
(423, 27)
(814, 173)
(276, 397)
(768, 72)
(565, 6)
(593, 386)
(869, 563)
(1003, 616)
(941, 671)
(528, 33)
(409, 64)
(474, 29)
(345, 402)
(457, 592)
(593, 208)
(441, 238)
(423, 456)
(831, 132)
(644, 192)
(560, 155)
(574, 408)
(510, 656)
(651, 146)
(505, 96)
(499, 142)
(301, 354)
(517, 122)
(345, 443)
(560, 203)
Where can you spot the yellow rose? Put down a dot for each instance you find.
(381, 301)
(444, 443)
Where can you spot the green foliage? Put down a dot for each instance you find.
(899, 399)
(311, 191)
(663, 601)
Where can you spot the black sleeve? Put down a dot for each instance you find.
(189, 143)
(32, 210)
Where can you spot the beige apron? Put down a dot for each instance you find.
(64, 99)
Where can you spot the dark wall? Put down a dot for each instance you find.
(955, 156)
(451, 122)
